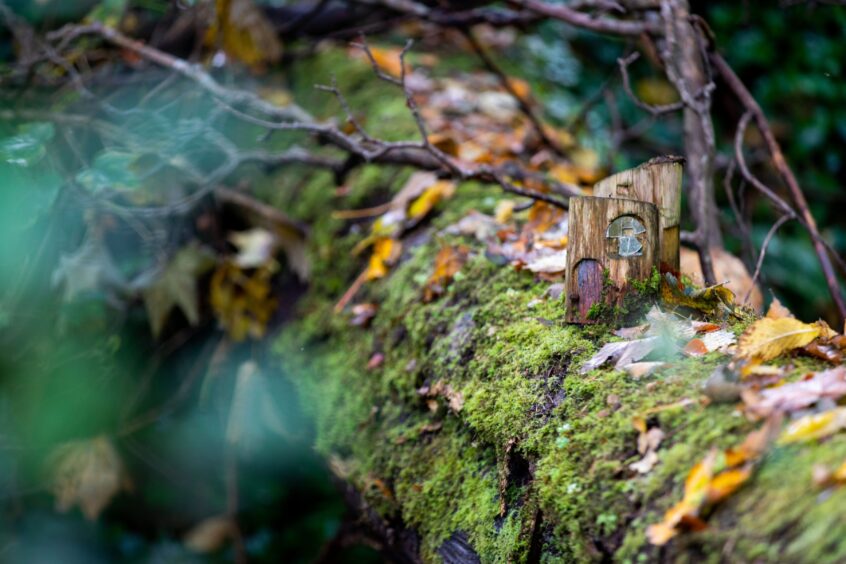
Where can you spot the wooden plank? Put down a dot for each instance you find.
(658, 181)
(612, 242)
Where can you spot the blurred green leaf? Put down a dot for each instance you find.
(28, 146)
(110, 170)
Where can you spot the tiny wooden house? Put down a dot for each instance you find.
(657, 181)
(612, 242)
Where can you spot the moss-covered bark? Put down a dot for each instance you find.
(477, 427)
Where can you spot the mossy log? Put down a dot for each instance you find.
(477, 439)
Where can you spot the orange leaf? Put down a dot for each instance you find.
(695, 348)
(385, 252)
(726, 483)
(448, 262)
(423, 204)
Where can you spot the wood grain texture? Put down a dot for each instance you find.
(658, 181)
(591, 253)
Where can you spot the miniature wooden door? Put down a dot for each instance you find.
(657, 181)
(612, 242)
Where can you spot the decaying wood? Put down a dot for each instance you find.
(658, 181)
(600, 265)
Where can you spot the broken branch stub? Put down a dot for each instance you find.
(613, 241)
(657, 181)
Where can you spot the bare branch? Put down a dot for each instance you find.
(746, 98)
(781, 221)
(568, 15)
(525, 106)
(624, 63)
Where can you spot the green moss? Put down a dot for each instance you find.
(511, 363)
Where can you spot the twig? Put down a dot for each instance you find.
(781, 221)
(525, 106)
(654, 110)
(580, 19)
(751, 105)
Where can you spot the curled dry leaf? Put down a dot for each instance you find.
(88, 473)
(455, 399)
(769, 338)
(625, 352)
(799, 395)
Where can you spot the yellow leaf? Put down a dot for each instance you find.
(504, 210)
(726, 483)
(385, 253)
(242, 30)
(768, 338)
(815, 426)
(423, 204)
(242, 301)
(88, 473)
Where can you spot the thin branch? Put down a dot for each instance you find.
(751, 105)
(524, 105)
(576, 18)
(781, 221)
(654, 110)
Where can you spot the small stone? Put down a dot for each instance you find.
(613, 401)
(555, 291)
(411, 365)
(722, 386)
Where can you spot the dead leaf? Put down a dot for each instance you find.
(814, 426)
(639, 370)
(386, 251)
(423, 204)
(363, 313)
(768, 338)
(695, 347)
(710, 481)
(88, 473)
(726, 267)
(176, 287)
(800, 395)
(255, 247)
(778, 311)
(244, 32)
(504, 210)
(550, 264)
(242, 301)
(625, 352)
(209, 535)
(645, 464)
(448, 262)
(455, 399)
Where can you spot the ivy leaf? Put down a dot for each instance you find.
(89, 269)
(28, 146)
(176, 287)
(111, 170)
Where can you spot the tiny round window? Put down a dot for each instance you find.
(626, 235)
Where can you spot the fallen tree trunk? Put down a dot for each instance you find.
(467, 433)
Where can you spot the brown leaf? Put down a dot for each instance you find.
(209, 535)
(88, 473)
(778, 311)
(448, 262)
